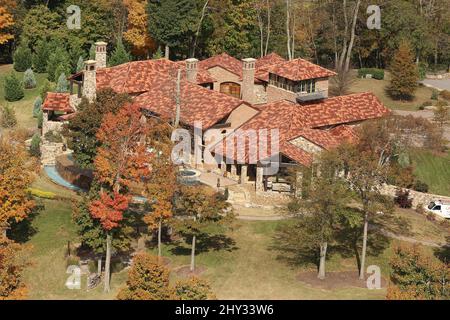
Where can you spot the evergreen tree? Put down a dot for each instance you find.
(37, 106)
(40, 119)
(35, 145)
(58, 61)
(40, 57)
(63, 84)
(45, 88)
(13, 88)
(29, 80)
(158, 54)
(404, 73)
(92, 52)
(80, 64)
(119, 55)
(22, 57)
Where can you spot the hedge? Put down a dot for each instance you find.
(42, 194)
(376, 73)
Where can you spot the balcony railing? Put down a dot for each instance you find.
(311, 96)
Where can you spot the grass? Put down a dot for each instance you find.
(24, 107)
(433, 170)
(378, 87)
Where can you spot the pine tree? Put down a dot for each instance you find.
(92, 52)
(58, 61)
(80, 64)
(13, 88)
(158, 54)
(40, 57)
(404, 73)
(45, 88)
(37, 106)
(63, 84)
(119, 55)
(29, 80)
(35, 145)
(22, 58)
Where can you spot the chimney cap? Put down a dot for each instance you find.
(90, 62)
(101, 43)
(192, 60)
(249, 60)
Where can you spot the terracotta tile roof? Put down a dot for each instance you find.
(57, 102)
(295, 120)
(224, 61)
(300, 69)
(269, 60)
(197, 103)
(203, 76)
(136, 76)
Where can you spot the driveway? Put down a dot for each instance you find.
(443, 84)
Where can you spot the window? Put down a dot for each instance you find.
(231, 88)
(437, 208)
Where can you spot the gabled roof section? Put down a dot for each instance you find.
(197, 103)
(300, 69)
(224, 61)
(269, 60)
(57, 102)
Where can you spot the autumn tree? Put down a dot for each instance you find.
(194, 289)
(320, 215)
(147, 279)
(199, 210)
(121, 160)
(6, 22)
(415, 276)
(15, 178)
(441, 116)
(12, 265)
(137, 33)
(404, 73)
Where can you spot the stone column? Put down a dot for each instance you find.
(244, 176)
(248, 80)
(233, 170)
(259, 178)
(100, 54)
(192, 70)
(90, 80)
(223, 167)
(298, 183)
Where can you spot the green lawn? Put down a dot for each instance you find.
(433, 170)
(378, 87)
(24, 107)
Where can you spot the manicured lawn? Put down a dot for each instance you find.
(24, 107)
(422, 94)
(433, 170)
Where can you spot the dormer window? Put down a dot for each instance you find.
(308, 86)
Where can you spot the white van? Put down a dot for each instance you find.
(439, 208)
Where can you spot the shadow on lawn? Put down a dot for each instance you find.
(443, 253)
(205, 242)
(22, 231)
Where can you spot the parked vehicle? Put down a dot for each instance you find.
(439, 208)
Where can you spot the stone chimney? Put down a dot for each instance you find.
(100, 54)
(248, 80)
(90, 80)
(191, 70)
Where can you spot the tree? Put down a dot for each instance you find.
(63, 84)
(37, 106)
(12, 265)
(441, 115)
(147, 279)
(58, 62)
(137, 29)
(119, 55)
(13, 88)
(415, 276)
(8, 117)
(320, 214)
(194, 289)
(80, 64)
(6, 22)
(29, 80)
(16, 177)
(35, 146)
(200, 209)
(404, 73)
(82, 128)
(47, 87)
(121, 160)
(22, 57)
(40, 57)
(39, 24)
(367, 165)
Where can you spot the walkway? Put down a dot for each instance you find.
(210, 179)
(443, 84)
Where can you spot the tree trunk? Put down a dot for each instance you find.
(178, 99)
(288, 28)
(323, 256)
(193, 255)
(99, 266)
(167, 52)
(364, 248)
(159, 238)
(108, 262)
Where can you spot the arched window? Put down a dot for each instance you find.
(231, 88)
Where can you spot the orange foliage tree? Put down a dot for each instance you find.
(121, 160)
(6, 22)
(12, 263)
(15, 178)
(137, 28)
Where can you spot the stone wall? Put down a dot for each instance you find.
(50, 151)
(67, 169)
(306, 145)
(417, 197)
(277, 94)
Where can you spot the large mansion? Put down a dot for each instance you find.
(230, 96)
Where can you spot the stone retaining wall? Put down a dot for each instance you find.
(68, 170)
(417, 197)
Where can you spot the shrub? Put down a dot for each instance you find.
(35, 147)
(29, 80)
(53, 137)
(45, 88)
(8, 117)
(40, 119)
(377, 74)
(434, 94)
(13, 88)
(431, 216)
(193, 289)
(420, 209)
(22, 58)
(445, 94)
(40, 58)
(42, 194)
(63, 84)
(402, 199)
(420, 186)
(423, 67)
(37, 105)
